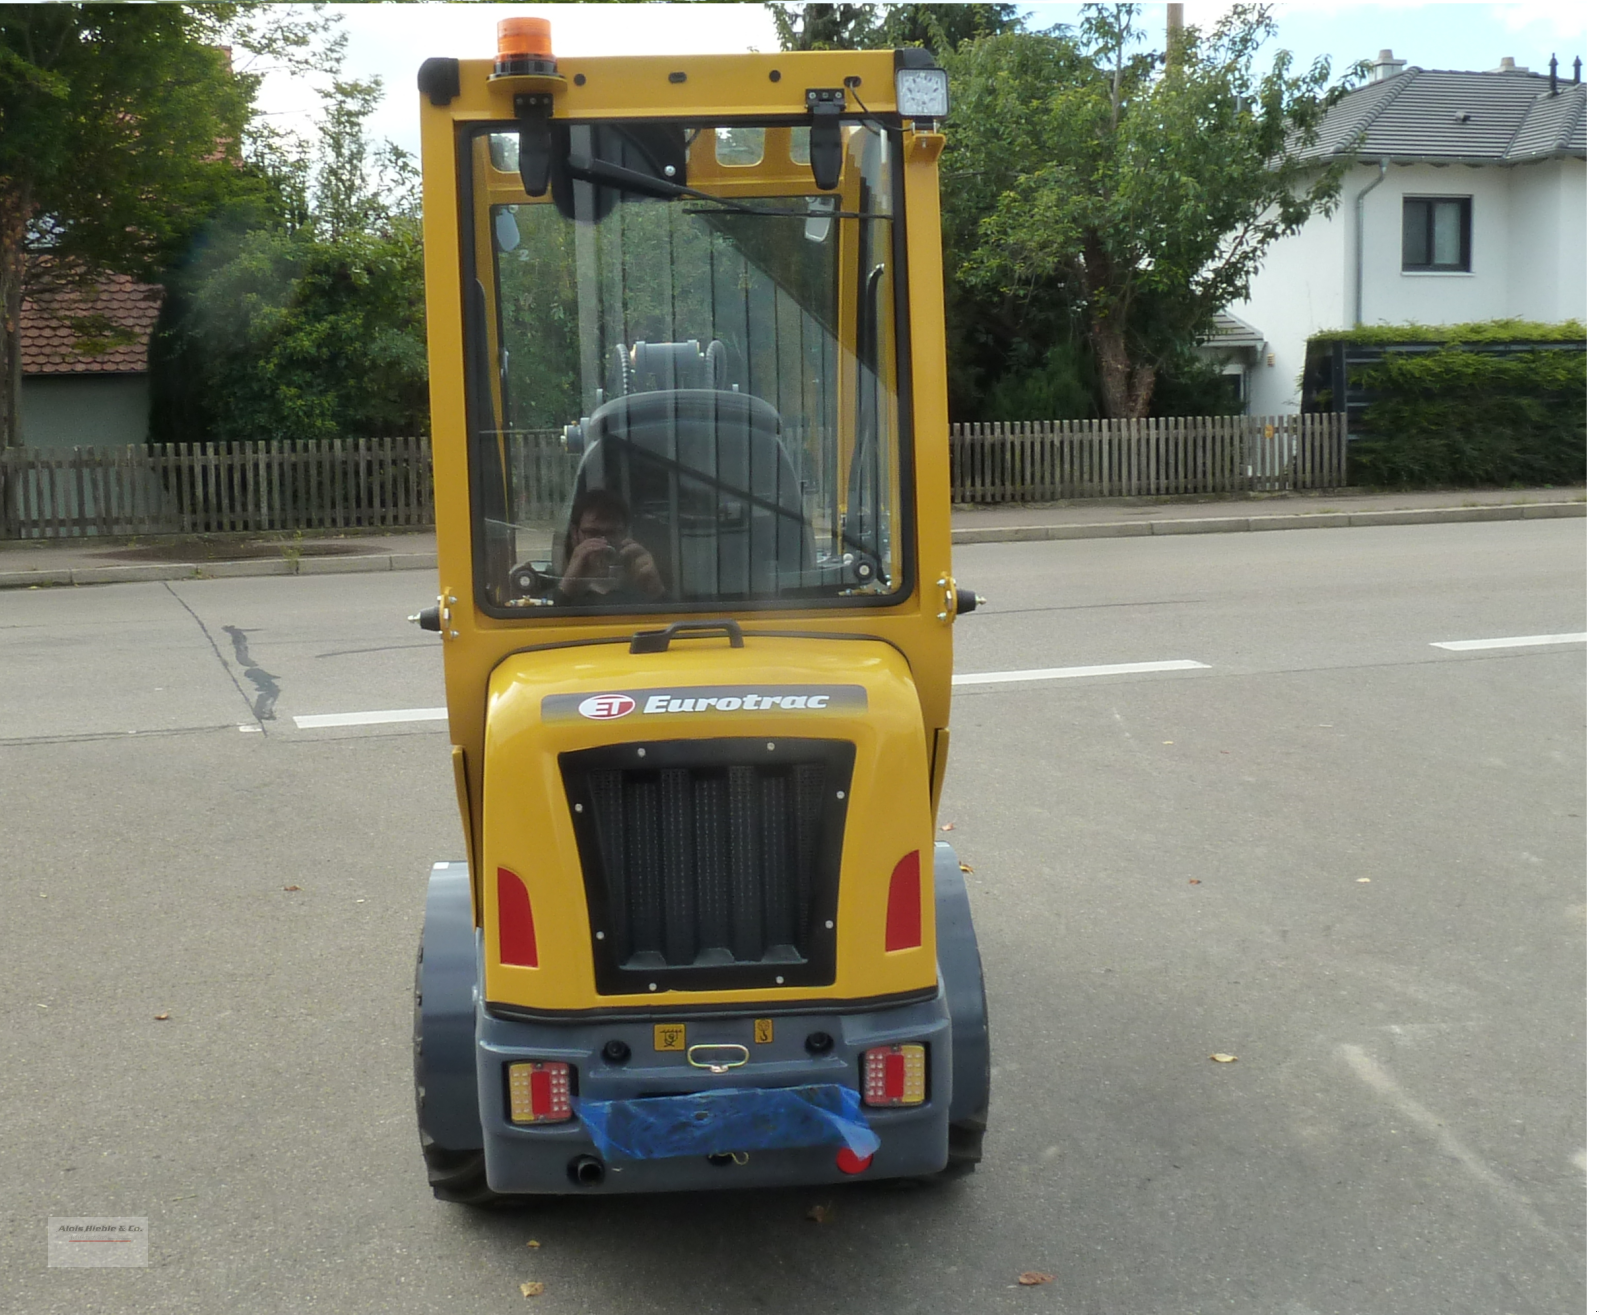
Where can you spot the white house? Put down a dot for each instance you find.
(1466, 202)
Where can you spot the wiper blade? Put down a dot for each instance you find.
(781, 214)
(589, 169)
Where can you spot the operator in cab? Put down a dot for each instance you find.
(604, 565)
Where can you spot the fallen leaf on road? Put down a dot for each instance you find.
(533, 1241)
(1194, 881)
(821, 1214)
(532, 1289)
(161, 1018)
(1225, 1059)
(948, 826)
(291, 887)
(966, 867)
(1033, 1278)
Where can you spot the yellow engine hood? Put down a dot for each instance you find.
(547, 702)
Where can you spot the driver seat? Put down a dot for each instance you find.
(713, 494)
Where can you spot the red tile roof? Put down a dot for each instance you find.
(47, 336)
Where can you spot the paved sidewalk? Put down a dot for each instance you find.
(31, 563)
(1104, 518)
(39, 562)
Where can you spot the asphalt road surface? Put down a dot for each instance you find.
(1350, 858)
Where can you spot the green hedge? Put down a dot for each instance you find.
(1460, 416)
(1480, 331)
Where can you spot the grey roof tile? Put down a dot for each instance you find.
(1440, 115)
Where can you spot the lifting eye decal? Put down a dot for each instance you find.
(903, 921)
(518, 948)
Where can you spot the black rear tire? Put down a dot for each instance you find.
(458, 1177)
(966, 1148)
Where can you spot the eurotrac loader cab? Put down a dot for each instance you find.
(686, 353)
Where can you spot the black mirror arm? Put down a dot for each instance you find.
(827, 137)
(534, 146)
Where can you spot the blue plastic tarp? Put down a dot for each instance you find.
(736, 1119)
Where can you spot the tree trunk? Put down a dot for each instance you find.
(1125, 387)
(15, 207)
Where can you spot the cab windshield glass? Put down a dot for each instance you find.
(683, 377)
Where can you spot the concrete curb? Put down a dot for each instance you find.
(1315, 520)
(145, 572)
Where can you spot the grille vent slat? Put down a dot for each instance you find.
(611, 825)
(777, 861)
(643, 841)
(718, 861)
(711, 824)
(678, 870)
(744, 875)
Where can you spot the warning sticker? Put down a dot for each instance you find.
(763, 1031)
(671, 1036)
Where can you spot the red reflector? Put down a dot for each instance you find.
(849, 1162)
(903, 925)
(517, 945)
(894, 1077)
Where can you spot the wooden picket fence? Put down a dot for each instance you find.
(387, 483)
(1044, 461)
(198, 488)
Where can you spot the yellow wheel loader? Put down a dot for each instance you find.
(686, 351)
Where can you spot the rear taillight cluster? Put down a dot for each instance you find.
(894, 1075)
(541, 1092)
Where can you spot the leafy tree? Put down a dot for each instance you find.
(1087, 178)
(866, 27)
(119, 132)
(302, 320)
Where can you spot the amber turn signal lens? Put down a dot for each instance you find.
(522, 37)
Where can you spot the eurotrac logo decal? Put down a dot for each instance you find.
(640, 703)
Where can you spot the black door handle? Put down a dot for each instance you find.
(656, 641)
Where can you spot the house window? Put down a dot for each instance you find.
(1437, 233)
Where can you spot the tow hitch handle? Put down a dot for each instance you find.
(657, 641)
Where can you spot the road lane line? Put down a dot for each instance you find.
(1067, 673)
(317, 721)
(320, 719)
(1516, 641)
(1430, 1124)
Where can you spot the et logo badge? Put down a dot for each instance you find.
(606, 707)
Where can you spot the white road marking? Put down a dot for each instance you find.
(1067, 673)
(321, 719)
(1375, 1076)
(1516, 641)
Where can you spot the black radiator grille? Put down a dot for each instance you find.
(711, 863)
